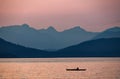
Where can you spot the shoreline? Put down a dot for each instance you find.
(87, 59)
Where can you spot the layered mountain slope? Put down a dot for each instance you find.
(9, 50)
(45, 39)
(109, 47)
(95, 48)
(109, 33)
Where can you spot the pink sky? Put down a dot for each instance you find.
(93, 15)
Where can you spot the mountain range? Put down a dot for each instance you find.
(22, 41)
(105, 47)
(10, 50)
(109, 33)
(45, 39)
(109, 47)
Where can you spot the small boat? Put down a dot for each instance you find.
(77, 69)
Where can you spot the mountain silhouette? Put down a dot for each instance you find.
(45, 39)
(109, 33)
(109, 47)
(9, 50)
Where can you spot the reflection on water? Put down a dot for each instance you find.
(56, 69)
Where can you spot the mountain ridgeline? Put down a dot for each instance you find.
(109, 47)
(22, 41)
(109, 33)
(10, 50)
(45, 39)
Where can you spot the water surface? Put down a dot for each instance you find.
(55, 68)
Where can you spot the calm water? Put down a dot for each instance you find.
(55, 68)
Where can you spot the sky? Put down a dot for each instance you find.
(92, 15)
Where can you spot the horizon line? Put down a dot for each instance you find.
(78, 26)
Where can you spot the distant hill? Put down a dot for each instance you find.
(109, 33)
(45, 39)
(94, 48)
(9, 50)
